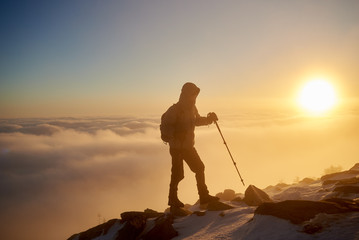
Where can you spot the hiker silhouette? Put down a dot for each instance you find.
(177, 128)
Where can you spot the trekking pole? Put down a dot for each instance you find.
(224, 141)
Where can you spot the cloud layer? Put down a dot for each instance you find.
(61, 176)
(68, 168)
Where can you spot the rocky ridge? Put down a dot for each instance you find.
(310, 206)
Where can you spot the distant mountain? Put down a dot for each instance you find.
(325, 208)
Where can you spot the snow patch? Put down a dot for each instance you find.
(214, 225)
(112, 232)
(269, 227)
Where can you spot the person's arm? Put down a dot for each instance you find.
(201, 121)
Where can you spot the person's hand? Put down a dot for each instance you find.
(212, 117)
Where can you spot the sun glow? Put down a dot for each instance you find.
(317, 96)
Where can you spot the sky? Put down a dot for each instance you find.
(109, 57)
(83, 85)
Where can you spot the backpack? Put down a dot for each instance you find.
(166, 129)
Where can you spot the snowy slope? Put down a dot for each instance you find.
(214, 225)
(241, 222)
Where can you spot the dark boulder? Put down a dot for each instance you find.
(131, 229)
(94, 232)
(147, 225)
(253, 196)
(148, 213)
(348, 204)
(298, 211)
(136, 223)
(237, 199)
(199, 213)
(179, 212)
(347, 189)
(342, 175)
(162, 230)
(227, 195)
(218, 206)
(347, 181)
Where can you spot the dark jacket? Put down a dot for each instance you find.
(181, 121)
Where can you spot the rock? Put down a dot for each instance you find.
(355, 167)
(352, 173)
(218, 206)
(347, 189)
(199, 213)
(94, 232)
(253, 196)
(147, 225)
(135, 223)
(136, 226)
(179, 212)
(152, 213)
(353, 180)
(148, 213)
(227, 195)
(222, 214)
(312, 228)
(350, 205)
(131, 229)
(237, 199)
(307, 181)
(281, 185)
(162, 230)
(298, 211)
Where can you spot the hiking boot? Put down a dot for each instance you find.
(175, 202)
(207, 199)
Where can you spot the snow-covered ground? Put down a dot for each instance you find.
(242, 224)
(214, 224)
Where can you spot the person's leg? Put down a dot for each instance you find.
(177, 174)
(196, 165)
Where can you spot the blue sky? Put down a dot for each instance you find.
(119, 57)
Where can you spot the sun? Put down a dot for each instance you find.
(317, 96)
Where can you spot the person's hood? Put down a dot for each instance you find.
(189, 89)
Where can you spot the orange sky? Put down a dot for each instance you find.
(125, 57)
